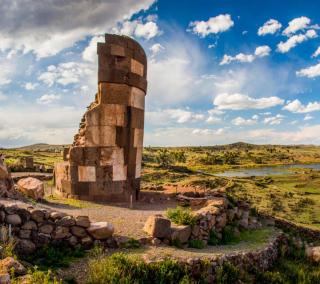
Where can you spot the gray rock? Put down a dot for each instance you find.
(158, 226)
(101, 230)
(37, 215)
(181, 233)
(83, 221)
(46, 229)
(66, 221)
(78, 231)
(13, 219)
(61, 232)
(30, 225)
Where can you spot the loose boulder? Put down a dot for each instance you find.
(101, 230)
(31, 187)
(180, 233)
(158, 226)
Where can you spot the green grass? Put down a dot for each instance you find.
(124, 268)
(50, 257)
(181, 216)
(71, 202)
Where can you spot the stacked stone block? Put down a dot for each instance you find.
(104, 162)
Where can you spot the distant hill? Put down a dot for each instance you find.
(43, 147)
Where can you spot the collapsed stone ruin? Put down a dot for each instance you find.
(104, 162)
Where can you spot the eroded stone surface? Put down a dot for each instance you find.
(104, 162)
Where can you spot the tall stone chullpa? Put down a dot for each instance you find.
(104, 162)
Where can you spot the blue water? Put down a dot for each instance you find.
(266, 171)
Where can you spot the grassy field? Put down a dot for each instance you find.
(295, 197)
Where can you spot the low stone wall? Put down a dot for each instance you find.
(261, 259)
(217, 214)
(32, 228)
(303, 232)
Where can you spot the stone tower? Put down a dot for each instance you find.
(104, 162)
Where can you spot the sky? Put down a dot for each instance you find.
(219, 71)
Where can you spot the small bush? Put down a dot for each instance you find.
(7, 248)
(132, 244)
(198, 244)
(181, 216)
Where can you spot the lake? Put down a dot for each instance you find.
(266, 171)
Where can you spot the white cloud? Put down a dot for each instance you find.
(297, 107)
(90, 52)
(47, 27)
(65, 73)
(214, 25)
(213, 119)
(156, 48)
(274, 120)
(269, 27)
(240, 101)
(240, 121)
(296, 25)
(30, 86)
(308, 117)
(138, 29)
(316, 53)
(293, 41)
(260, 51)
(310, 72)
(48, 99)
(178, 115)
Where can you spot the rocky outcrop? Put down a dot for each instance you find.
(31, 187)
(32, 228)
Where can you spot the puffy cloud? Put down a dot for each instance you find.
(260, 51)
(241, 57)
(240, 121)
(30, 86)
(297, 107)
(293, 41)
(316, 53)
(214, 25)
(269, 27)
(165, 116)
(138, 29)
(6, 71)
(274, 120)
(308, 117)
(240, 101)
(47, 27)
(296, 25)
(2, 97)
(213, 119)
(156, 48)
(48, 99)
(90, 52)
(65, 73)
(310, 72)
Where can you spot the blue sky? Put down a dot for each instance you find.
(219, 71)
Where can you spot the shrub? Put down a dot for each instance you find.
(122, 268)
(132, 243)
(36, 276)
(54, 257)
(198, 244)
(181, 216)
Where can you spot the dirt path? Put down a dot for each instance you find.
(127, 222)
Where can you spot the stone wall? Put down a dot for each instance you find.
(104, 162)
(217, 214)
(32, 228)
